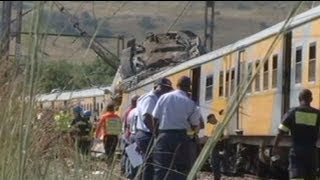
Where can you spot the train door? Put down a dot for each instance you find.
(195, 76)
(240, 80)
(286, 69)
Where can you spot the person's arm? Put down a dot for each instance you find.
(148, 106)
(194, 119)
(148, 121)
(277, 140)
(156, 114)
(284, 128)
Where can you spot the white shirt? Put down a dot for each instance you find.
(145, 105)
(132, 119)
(175, 110)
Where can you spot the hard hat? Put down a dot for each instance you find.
(77, 109)
(87, 114)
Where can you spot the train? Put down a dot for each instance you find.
(91, 99)
(294, 64)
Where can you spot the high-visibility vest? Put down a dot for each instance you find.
(114, 126)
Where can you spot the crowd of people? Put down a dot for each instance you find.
(164, 124)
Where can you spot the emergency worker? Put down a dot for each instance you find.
(173, 114)
(145, 129)
(77, 114)
(82, 127)
(109, 129)
(303, 123)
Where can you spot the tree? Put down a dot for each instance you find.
(67, 76)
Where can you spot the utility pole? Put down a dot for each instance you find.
(5, 31)
(208, 30)
(19, 5)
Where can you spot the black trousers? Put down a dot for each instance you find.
(302, 163)
(110, 144)
(170, 156)
(144, 142)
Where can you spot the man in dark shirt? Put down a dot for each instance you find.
(303, 122)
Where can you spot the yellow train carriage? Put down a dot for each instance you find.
(292, 65)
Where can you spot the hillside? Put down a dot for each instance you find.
(234, 20)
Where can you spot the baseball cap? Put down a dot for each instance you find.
(163, 82)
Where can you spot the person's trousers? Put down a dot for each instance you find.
(144, 142)
(171, 155)
(302, 164)
(110, 144)
(193, 151)
(215, 163)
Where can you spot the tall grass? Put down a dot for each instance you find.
(32, 149)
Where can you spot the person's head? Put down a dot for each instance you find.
(211, 118)
(305, 97)
(184, 84)
(162, 86)
(77, 111)
(134, 100)
(110, 107)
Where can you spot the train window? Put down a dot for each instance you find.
(312, 62)
(298, 64)
(101, 106)
(221, 83)
(209, 87)
(250, 70)
(97, 107)
(232, 81)
(266, 75)
(257, 80)
(274, 71)
(227, 84)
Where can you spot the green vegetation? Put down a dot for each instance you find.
(68, 76)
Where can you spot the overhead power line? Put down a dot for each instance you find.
(180, 15)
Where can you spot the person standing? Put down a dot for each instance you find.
(108, 130)
(303, 123)
(145, 128)
(126, 138)
(173, 114)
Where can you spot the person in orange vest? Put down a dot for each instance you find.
(109, 129)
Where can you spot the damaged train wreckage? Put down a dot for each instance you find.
(157, 53)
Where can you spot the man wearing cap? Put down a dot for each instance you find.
(174, 114)
(303, 122)
(145, 129)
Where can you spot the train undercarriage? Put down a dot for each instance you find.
(243, 155)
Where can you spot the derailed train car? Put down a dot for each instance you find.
(294, 64)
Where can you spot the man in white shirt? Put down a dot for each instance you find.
(174, 113)
(145, 129)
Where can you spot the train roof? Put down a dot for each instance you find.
(67, 95)
(298, 20)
